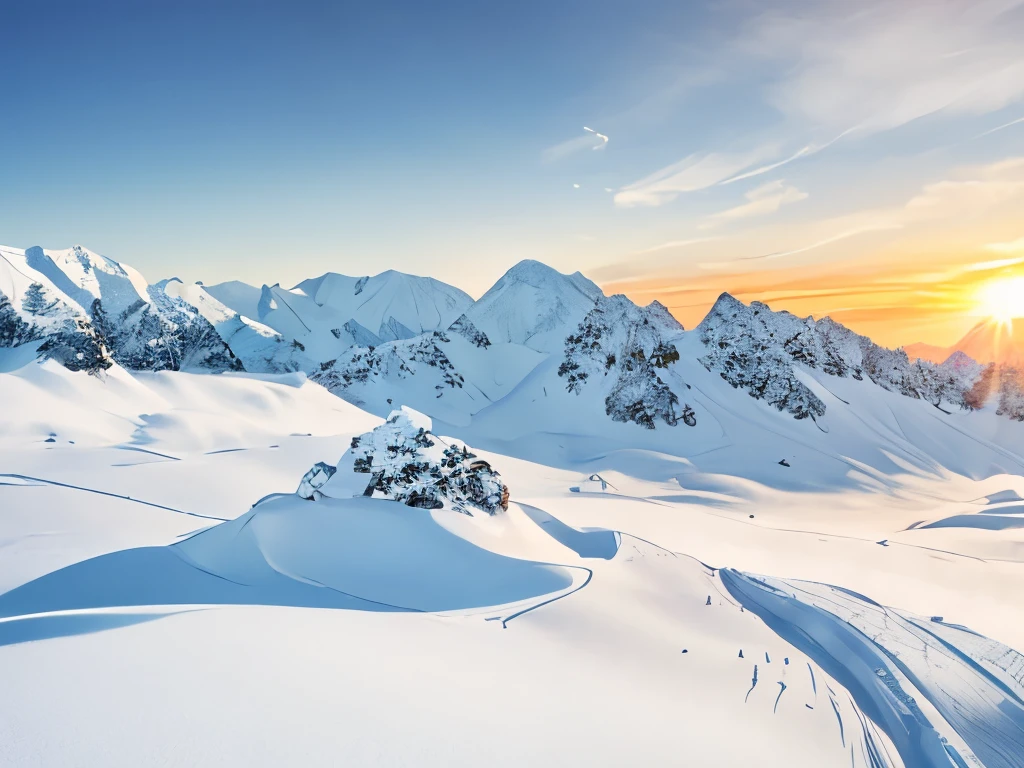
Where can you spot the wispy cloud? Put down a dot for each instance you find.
(571, 146)
(806, 151)
(973, 192)
(1018, 121)
(878, 64)
(674, 244)
(688, 175)
(766, 199)
(879, 226)
(1015, 246)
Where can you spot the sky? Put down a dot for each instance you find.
(861, 160)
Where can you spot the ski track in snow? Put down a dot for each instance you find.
(43, 481)
(880, 656)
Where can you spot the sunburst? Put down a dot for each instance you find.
(1003, 299)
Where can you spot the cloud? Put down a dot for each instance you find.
(688, 175)
(1016, 246)
(571, 146)
(973, 193)
(672, 244)
(1001, 127)
(766, 199)
(807, 151)
(878, 64)
(879, 226)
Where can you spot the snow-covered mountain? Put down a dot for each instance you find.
(260, 348)
(533, 305)
(990, 341)
(450, 375)
(333, 312)
(34, 311)
(758, 350)
(623, 351)
(395, 339)
(77, 297)
(392, 305)
(672, 510)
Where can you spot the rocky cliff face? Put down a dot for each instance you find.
(624, 349)
(757, 349)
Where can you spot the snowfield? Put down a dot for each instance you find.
(764, 542)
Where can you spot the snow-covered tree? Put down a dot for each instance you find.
(35, 301)
(1011, 393)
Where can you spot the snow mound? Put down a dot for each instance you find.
(356, 554)
(404, 461)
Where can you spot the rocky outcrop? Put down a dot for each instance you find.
(404, 461)
(395, 360)
(626, 348)
(464, 327)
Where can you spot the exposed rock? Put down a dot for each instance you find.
(314, 479)
(464, 327)
(757, 349)
(403, 460)
(625, 346)
(396, 359)
(753, 348)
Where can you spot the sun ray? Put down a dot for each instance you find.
(1002, 299)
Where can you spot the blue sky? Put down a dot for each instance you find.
(750, 145)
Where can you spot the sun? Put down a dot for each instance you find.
(1003, 299)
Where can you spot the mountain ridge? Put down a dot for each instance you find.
(394, 338)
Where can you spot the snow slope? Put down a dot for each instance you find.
(259, 347)
(392, 305)
(137, 571)
(95, 306)
(534, 305)
(686, 572)
(328, 314)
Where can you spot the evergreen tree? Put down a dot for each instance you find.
(13, 330)
(35, 302)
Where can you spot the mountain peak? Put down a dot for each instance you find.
(987, 342)
(535, 305)
(544, 277)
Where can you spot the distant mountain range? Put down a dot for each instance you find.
(987, 342)
(539, 351)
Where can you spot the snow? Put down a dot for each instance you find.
(534, 305)
(259, 347)
(751, 589)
